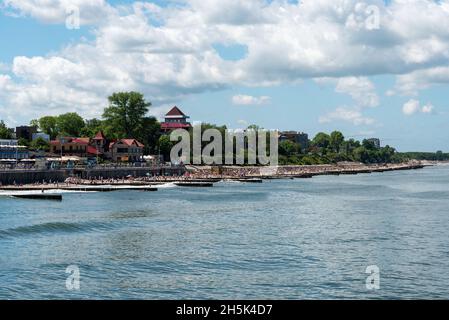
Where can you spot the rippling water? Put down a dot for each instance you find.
(289, 239)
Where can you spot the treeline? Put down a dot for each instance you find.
(125, 117)
(430, 156)
(5, 133)
(331, 148)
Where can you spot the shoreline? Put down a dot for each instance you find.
(205, 174)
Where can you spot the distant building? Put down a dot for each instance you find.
(375, 142)
(68, 146)
(126, 150)
(100, 143)
(122, 150)
(25, 132)
(175, 119)
(300, 138)
(41, 135)
(10, 150)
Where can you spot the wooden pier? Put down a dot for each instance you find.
(39, 196)
(96, 188)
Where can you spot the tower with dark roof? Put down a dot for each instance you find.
(175, 119)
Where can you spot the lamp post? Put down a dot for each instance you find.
(17, 154)
(62, 146)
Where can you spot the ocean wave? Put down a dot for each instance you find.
(6, 193)
(53, 228)
(166, 185)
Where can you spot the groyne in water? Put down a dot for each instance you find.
(305, 171)
(203, 175)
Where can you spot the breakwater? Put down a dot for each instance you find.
(142, 175)
(305, 171)
(11, 177)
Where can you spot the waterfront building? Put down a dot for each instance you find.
(100, 143)
(68, 146)
(11, 151)
(300, 138)
(375, 142)
(175, 119)
(125, 150)
(25, 132)
(122, 150)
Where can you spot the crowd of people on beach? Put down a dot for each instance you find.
(208, 173)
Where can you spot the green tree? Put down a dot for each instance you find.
(40, 144)
(124, 118)
(288, 148)
(70, 124)
(254, 127)
(34, 123)
(386, 154)
(165, 146)
(361, 154)
(322, 140)
(336, 140)
(149, 135)
(369, 145)
(92, 127)
(349, 146)
(5, 133)
(23, 142)
(48, 125)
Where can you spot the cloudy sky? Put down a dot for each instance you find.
(369, 68)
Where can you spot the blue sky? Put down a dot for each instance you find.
(313, 66)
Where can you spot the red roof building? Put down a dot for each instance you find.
(126, 150)
(100, 136)
(69, 146)
(175, 119)
(122, 150)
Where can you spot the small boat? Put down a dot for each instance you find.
(40, 196)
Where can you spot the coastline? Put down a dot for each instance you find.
(199, 175)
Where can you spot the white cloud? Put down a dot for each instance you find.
(414, 106)
(232, 12)
(346, 114)
(243, 123)
(168, 52)
(410, 107)
(361, 89)
(4, 80)
(390, 93)
(250, 100)
(428, 108)
(57, 11)
(412, 83)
